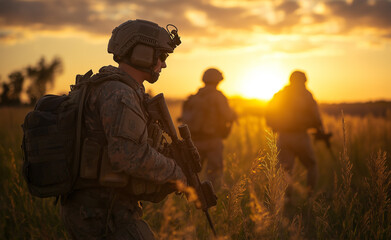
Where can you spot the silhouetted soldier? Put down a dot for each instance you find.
(116, 125)
(210, 119)
(291, 112)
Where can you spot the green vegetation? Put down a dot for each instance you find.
(352, 199)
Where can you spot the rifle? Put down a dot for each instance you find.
(184, 153)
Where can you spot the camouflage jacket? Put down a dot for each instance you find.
(219, 102)
(118, 108)
(214, 118)
(293, 109)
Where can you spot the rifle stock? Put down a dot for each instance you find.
(185, 154)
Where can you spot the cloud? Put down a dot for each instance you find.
(294, 46)
(362, 13)
(10, 36)
(211, 19)
(52, 15)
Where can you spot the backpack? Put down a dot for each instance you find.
(289, 111)
(199, 113)
(52, 141)
(193, 113)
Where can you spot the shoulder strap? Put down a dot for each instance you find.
(81, 82)
(98, 79)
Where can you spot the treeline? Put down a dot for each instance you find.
(375, 108)
(31, 81)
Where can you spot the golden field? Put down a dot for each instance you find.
(352, 200)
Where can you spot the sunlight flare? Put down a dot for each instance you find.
(262, 83)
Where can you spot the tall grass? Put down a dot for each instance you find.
(267, 185)
(21, 215)
(352, 200)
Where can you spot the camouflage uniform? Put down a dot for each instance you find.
(210, 141)
(116, 108)
(291, 112)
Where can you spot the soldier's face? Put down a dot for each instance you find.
(159, 65)
(157, 69)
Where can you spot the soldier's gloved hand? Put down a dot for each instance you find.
(177, 183)
(179, 175)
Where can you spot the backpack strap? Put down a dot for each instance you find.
(81, 80)
(81, 83)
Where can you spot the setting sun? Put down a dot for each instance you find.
(262, 83)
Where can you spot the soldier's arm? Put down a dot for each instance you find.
(124, 124)
(224, 109)
(315, 113)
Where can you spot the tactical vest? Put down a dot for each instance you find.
(96, 170)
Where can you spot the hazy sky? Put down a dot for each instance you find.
(344, 46)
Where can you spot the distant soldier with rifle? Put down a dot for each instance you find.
(210, 119)
(123, 158)
(292, 112)
(185, 154)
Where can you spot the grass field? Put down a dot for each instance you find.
(352, 200)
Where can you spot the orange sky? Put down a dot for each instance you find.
(343, 46)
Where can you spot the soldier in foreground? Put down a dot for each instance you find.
(210, 119)
(291, 112)
(119, 166)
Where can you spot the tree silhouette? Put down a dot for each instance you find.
(16, 85)
(12, 89)
(4, 95)
(42, 76)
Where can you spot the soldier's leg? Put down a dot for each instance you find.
(128, 224)
(202, 147)
(307, 157)
(215, 165)
(84, 221)
(286, 158)
(286, 155)
(90, 218)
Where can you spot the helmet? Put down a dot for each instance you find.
(139, 43)
(298, 77)
(212, 75)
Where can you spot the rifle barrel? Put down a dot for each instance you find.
(210, 222)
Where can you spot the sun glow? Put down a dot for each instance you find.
(262, 83)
